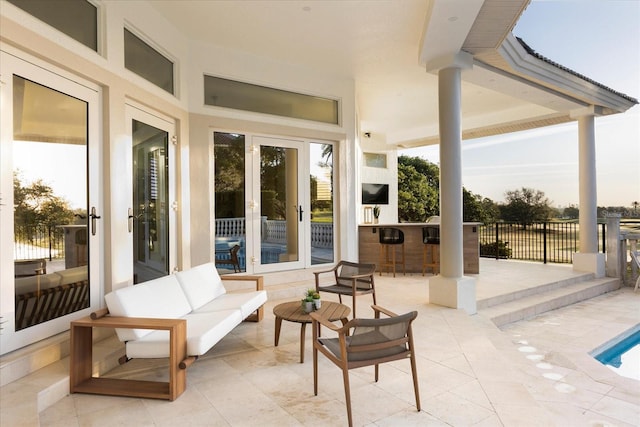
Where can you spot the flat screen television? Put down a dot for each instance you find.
(375, 194)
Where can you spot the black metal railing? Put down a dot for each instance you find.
(543, 241)
(38, 241)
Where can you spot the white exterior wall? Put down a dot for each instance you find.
(32, 40)
(212, 60)
(119, 85)
(389, 175)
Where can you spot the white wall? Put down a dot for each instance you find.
(389, 175)
(193, 59)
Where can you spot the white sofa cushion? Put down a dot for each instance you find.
(159, 298)
(201, 284)
(248, 302)
(204, 330)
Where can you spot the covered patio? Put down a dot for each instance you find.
(532, 372)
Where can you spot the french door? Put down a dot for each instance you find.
(274, 200)
(51, 201)
(151, 211)
(280, 213)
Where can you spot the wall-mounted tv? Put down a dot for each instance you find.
(375, 194)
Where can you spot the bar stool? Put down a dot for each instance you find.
(431, 249)
(389, 239)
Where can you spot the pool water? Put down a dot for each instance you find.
(623, 357)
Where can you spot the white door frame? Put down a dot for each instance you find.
(122, 198)
(14, 62)
(254, 196)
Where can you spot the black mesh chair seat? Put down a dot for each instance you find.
(389, 237)
(431, 235)
(431, 249)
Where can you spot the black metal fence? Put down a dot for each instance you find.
(542, 242)
(38, 241)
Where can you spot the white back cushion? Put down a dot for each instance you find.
(158, 298)
(201, 284)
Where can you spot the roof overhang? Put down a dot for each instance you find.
(535, 92)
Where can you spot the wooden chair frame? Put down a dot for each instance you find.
(354, 279)
(232, 260)
(343, 360)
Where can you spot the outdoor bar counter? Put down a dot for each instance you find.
(369, 247)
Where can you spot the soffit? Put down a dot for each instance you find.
(384, 48)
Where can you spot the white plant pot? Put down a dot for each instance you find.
(308, 307)
(317, 303)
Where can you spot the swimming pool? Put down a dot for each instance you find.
(623, 355)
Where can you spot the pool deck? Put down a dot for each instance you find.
(536, 372)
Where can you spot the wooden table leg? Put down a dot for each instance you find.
(302, 332)
(276, 337)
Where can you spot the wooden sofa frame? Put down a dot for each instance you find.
(81, 379)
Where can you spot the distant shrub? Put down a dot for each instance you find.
(493, 249)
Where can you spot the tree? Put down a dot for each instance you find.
(525, 206)
(478, 209)
(36, 204)
(419, 194)
(571, 212)
(418, 189)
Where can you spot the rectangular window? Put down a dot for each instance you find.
(375, 160)
(147, 62)
(261, 99)
(76, 18)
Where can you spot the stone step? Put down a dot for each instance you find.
(547, 299)
(522, 293)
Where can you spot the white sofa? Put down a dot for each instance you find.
(196, 295)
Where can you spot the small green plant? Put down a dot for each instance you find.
(310, 295)
(376, 211)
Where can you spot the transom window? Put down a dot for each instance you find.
(76, 18)
(147, 62)
(261, 99)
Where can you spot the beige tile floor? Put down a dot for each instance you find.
(532, 373)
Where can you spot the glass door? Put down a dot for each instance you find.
(281, 214)
(229, 184)
(50, 155)
(321, 227)
(274, 207)
(151, 213)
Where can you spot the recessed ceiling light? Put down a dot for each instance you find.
(453, 18)
(307, 8)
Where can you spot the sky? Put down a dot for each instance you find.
(601, 40)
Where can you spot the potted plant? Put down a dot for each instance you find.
(376, 214)
(307, 301)
(316, 300)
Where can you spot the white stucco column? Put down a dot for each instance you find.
(450, 288)
(588, 259)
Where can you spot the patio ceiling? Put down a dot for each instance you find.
(390, 49)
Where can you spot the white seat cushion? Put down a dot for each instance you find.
(204, 330)
(248, 302)
(201, 284)
(160, 298)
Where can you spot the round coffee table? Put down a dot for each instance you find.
(293, 312)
